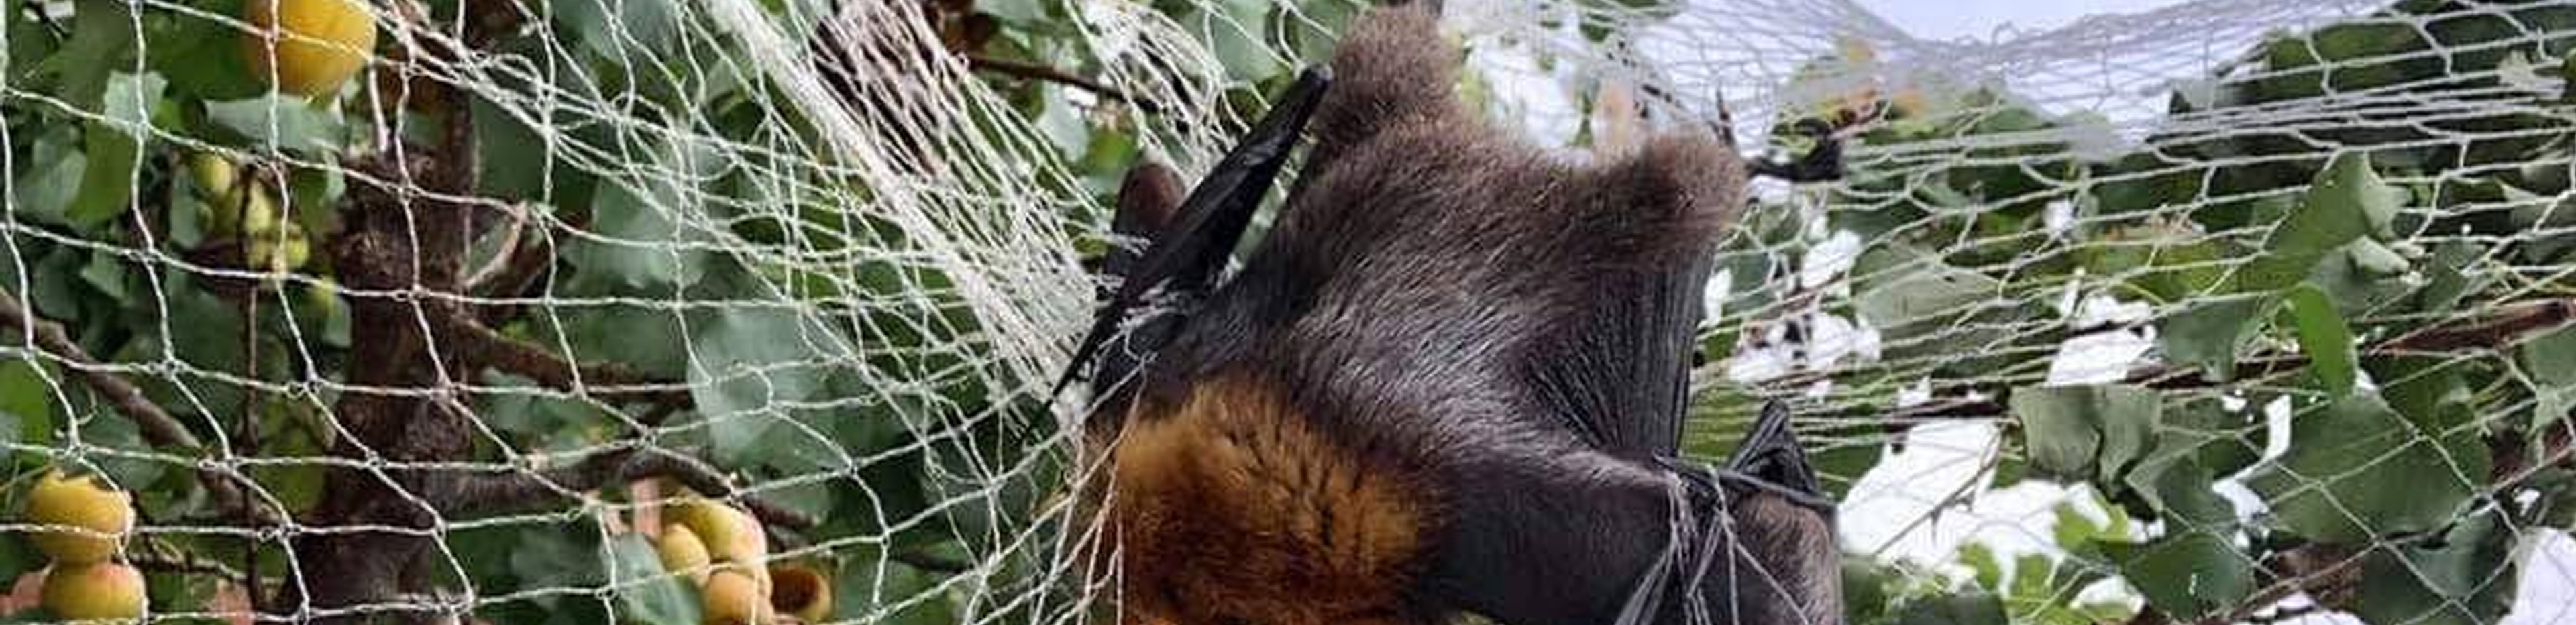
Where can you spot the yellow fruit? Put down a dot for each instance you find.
(101, 515)
(277, 251)
(259, 213)
(308, 46)
(105, 591)
(731, 535)
(801, 591)
(731, 597)
(682, 552)
(214, 175)
(295, 248)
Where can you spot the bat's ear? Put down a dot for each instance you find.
(1146, 203)
(1771, 453)
(1147, 200)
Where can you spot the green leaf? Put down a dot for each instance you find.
(2085, 432)
(749, 362)
(105, 272)
(201, 57)
(2465, 578)
(2567, 73)
(1924, 307)
(2325, 339)
(2210, 332)
(47, 184)
(29, 401)
(2200, 438)
(1318, 26)
(16, 558)
(282, 121)
(114, 147)
(2356, 469)
(1982, 563)
(1016, 12)
(2551, 362)
(1958, 609)
(2186, 498)
(646, 593)
(644, 219)
(2032, 573)
(872, 582)
(1237, 31)
(102, 37)
(28, 43)
(622, 31)
(2450, 277)
(126, 466)
(2187, 575)
(2346, 202)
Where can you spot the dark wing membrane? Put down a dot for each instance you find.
(1185, 258)
(1770, 459)
(1621, 375)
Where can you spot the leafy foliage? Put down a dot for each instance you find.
(2391, 293)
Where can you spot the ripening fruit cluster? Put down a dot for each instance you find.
(82, 525)
(244, 207)
(309, 47)
(724, 550)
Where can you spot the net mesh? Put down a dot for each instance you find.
(2230, 310)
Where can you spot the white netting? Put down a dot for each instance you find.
(565, 258)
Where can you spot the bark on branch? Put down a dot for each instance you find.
(156, 425)
(1033, 71)
(505, 493)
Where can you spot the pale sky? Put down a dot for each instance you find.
(1980, 19)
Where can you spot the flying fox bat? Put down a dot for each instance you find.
(1450, 378)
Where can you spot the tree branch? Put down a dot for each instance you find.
(1033, 71)
(157, 426)
(608, 381)
(934, 563)
(491, 493)
(511, 274)
(2313, 569)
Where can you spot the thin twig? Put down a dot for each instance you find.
(1033, 71)
(510, 355)
(505, 492)
(926, 561)
(2307, 568)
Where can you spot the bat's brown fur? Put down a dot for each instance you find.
(1288, 524)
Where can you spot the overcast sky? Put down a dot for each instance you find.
(1979, 19)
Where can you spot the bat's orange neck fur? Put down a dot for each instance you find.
(1232, 508)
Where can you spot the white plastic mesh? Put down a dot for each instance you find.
(820, 256)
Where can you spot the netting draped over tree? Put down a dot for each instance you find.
(416, 310)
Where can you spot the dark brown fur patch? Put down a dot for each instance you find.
(1231, 507)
